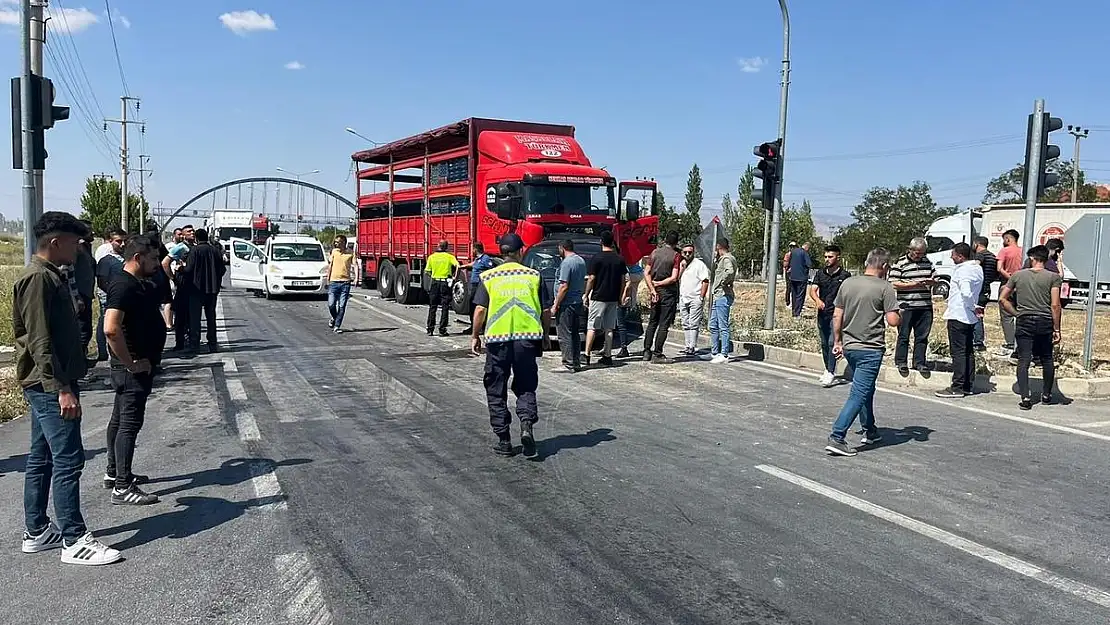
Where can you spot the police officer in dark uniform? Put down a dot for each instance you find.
(513, 306)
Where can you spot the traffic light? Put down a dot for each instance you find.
(43, 115)
(767, 170)
(1045, 179)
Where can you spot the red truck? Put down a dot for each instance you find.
(476, 180)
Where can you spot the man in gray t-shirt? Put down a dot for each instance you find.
(1038, 310)
(570, 285)
(865, 306)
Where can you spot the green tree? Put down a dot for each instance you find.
(307, 230)
(889, 218)
(744, 224)
(100, 205)
(1006, 187)
(691, 220)
(797, 225)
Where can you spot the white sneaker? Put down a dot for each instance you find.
(827, 379)
(719, 359)
(50, 538)
(89, 551)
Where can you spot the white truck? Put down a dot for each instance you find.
(1052, 222)
(225, 225)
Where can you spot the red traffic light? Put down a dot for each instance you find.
(769, 150)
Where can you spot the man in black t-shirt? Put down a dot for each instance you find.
(606, 291)
(136, 333)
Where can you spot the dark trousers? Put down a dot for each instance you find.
(197, 302)
(1034, 342)
(439, 297)
(567, 325)
(128, 413)
(660, 321)
(920, 322)
(519, 359)
(85, 323)
(961, 341)
(181, 325)
(54, 463)
(797, 296)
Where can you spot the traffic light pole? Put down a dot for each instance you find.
(26, 102)
(1033, 175)
(776, 214)
(38, 39)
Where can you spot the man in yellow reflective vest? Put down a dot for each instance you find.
(513, 305)
(440, 267)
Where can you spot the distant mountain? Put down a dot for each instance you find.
(828, 223)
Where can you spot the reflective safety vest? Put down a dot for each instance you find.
(514, 307)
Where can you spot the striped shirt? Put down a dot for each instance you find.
(907, 270)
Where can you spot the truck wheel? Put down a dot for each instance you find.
(940, 289)
(402, 289)
(460, 297)
(385, 279)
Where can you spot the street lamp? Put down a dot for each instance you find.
(361, 136)
(300, 191)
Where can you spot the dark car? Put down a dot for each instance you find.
(544, 257)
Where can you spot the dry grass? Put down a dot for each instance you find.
(802, 334)
(11, 397)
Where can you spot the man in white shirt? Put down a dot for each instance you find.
(692, 288)
(962, 314)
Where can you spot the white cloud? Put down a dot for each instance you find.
(294, 65)
(752, 65)
(119, 19)
(243, 22)
(70, 21)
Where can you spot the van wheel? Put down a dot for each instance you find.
(386, 272)
(940, 289)
(460, 297)
(402, 289)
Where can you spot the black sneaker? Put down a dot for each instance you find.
(444, 333)
(132, 496)
(871, 438)
(110, 480)
(647, 355)
(903, 371)
(331, 323)
(605, 361)
(839, 448)
(527, 441)
(430, 333)
(504, 447)
(1047, 400)
(660, 359)
(1026, 403)
(951, 393)
(623, 353)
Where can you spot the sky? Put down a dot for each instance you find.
(881, 93)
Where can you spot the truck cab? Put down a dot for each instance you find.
(286, 264)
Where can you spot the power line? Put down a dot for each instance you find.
(91, 130)
(115, 46)
(77, 57)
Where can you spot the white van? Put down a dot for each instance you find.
(288, 264)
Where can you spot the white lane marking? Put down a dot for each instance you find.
(385, 391)
(266, 485)
(221, 333)
(292, 397)
(229, 365)
(1092, 424)
(244, 419)
(933, 400)
(304, 598)
(1021, 567)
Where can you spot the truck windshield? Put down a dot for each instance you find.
(297, 252)
(226, 234)
(565, 199)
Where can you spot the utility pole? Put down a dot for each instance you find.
(143, 171)
(776, 215)
(29, 218)
(38, 40)
(102, 176)
(1078, 133)
(123, 122)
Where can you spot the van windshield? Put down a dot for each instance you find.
(309, 252)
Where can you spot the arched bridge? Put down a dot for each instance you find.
(286, 201)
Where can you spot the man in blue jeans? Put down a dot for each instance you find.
(865, 306)
(49, 361)
(724, 274)
(343, 268)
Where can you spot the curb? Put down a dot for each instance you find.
(1090, 388)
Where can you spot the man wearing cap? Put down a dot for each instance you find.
(519, 306)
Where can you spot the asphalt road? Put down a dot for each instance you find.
(309, 477)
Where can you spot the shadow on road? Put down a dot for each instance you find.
(191, 516)
(18, 462)
(892, 436)
(357, 330)
(551, 446)
(230, 473)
